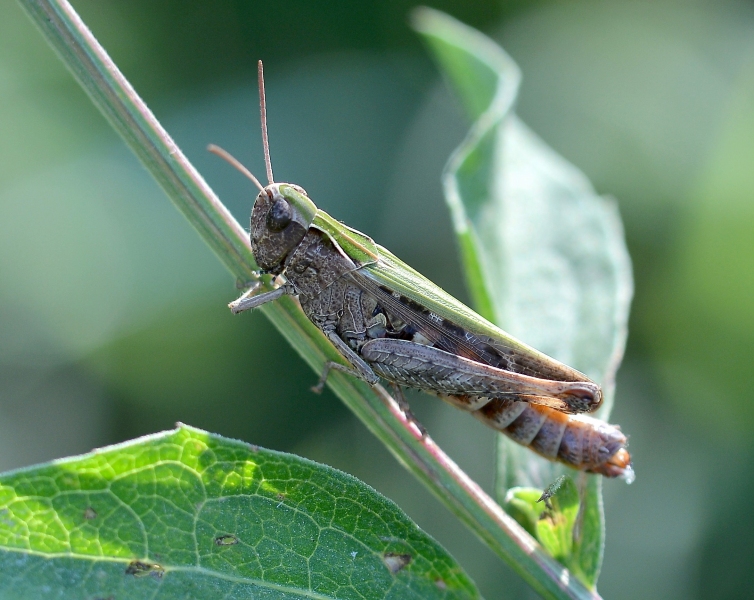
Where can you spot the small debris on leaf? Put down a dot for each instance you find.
(139, 568)
(551, 490)
(396, 562)
(226, 540)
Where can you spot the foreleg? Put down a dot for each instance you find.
(251, 299)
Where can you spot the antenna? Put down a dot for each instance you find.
(263, 116)
(234, 162)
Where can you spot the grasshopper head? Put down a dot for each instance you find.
(280, 219)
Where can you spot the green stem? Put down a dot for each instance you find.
(131, 118)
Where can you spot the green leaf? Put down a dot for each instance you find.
(554, 522)
(521, 503)
(188, 512)
(544, 255)
(555, 526)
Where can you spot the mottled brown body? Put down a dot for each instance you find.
(578, 441)
(388, 321)
(432, 359)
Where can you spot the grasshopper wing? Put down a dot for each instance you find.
(450, 325)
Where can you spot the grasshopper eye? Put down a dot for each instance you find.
(279, 216)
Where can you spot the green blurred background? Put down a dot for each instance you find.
(112, 313)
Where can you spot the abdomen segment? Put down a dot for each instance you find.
(579, 441)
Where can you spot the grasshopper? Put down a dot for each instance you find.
(389, 322)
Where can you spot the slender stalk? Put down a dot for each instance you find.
(131, 118)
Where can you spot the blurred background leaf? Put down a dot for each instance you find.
(544, 257)
(650, 100)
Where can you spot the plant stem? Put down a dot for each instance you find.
(131, 118)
